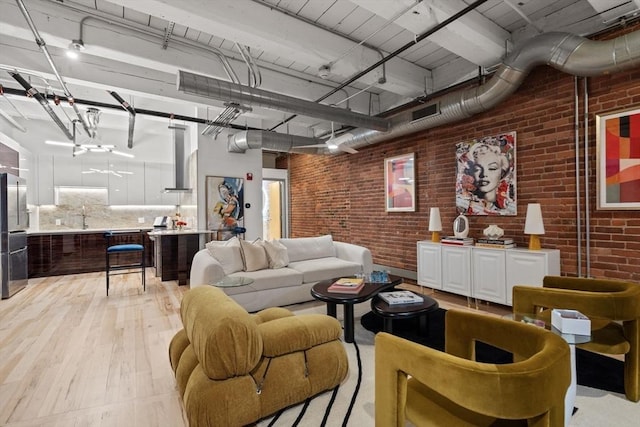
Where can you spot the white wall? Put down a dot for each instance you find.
(215, 160)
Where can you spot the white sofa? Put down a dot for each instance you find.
(310, 259)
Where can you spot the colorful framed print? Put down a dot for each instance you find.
(486, 176)
(618, 158)
(225, 205)
(399, 183)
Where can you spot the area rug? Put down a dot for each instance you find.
(593, 370)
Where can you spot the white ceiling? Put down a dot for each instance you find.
(137, 47)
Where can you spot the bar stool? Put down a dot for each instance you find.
(125, 250)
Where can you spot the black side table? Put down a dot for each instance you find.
(403, 311)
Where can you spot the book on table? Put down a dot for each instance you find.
(495, 245)
(499, 241)
(347, 285)
(400, 297)
(461, 241)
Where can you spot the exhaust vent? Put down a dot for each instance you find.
(180, 161)
(423, 113)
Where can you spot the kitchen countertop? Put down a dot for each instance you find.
(170, 232)
(81, 231)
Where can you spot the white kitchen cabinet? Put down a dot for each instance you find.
(135, 183)
(94, 171)
(456, 269)
(525, 267)
(67, 171)
(157, 177)
(485, 274)
(489, 281)
(45, 193)
(126, 182)
(429, 265)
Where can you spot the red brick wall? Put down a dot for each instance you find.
(343, 195)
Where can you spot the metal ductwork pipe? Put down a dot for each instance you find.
(43, 46)
(31, 91)
(255, 139)
(569, 53)
(194, 84)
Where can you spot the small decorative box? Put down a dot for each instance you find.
(571, 322)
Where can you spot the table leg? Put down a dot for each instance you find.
(348, 323)
(570, 397)
(424, 325)
(387, 325)
(331, 309)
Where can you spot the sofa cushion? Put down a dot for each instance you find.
(253, 255)
(303, 248)
(267, 279)
(277, 253)
(314, 270)
(228, 254)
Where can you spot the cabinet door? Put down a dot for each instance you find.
(45, 193)
(135, 183)
(529, 267)
(429, 265)
(67, 171)
(456, 271)
(152, 184)
(117, 179)
(94, 171)
(488, 273)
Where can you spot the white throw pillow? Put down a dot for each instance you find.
(254, 255)
(277, 253)
(228, 254)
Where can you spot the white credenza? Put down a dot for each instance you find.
(483, 273)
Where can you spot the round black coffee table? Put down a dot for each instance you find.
(404, 311)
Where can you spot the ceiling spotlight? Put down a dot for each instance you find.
(324, 71)
(75, 48)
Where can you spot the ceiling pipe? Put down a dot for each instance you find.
(132, 115)
(568, 53)
(31, 91)
(208, 87)
(272, 141)
(43, 46)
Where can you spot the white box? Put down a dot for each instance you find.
(571, 322)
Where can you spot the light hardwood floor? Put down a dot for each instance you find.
(71, 356)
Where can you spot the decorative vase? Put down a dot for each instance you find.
(493, 232)
(461, 226)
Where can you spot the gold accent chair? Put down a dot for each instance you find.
(434, 388)
(233, 368)
(613, 307)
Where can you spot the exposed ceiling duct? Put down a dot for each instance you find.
(33, 92)
(273, 141)
(180, 161)
(569, 53)
(43, 46)
(221, 90)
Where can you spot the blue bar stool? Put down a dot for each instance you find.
(136, 264)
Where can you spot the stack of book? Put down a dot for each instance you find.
(400, 297)
(347, 285)
(460, 241)
(501, 243)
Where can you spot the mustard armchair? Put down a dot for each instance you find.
(233, 368)
(613, 307)
(433, 388)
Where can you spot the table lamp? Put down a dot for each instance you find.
(435, 224)
(533, 225)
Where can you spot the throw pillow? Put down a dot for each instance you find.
(254, 256)
(277, 253)
(228, 254)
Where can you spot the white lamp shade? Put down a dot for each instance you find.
(435, 224)
(533, 223)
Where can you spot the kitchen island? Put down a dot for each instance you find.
(55, 253)
(174, 251)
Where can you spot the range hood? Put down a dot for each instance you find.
(180, 156)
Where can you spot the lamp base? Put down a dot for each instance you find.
(534, 242)
(435, 236)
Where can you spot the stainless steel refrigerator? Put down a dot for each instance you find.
(14, 221)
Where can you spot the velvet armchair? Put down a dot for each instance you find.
(233, 368)
(613, 307)
(433, 388)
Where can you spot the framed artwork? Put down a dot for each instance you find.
(225, 205)
(486, 176)
(399, 183)
(618, 158)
